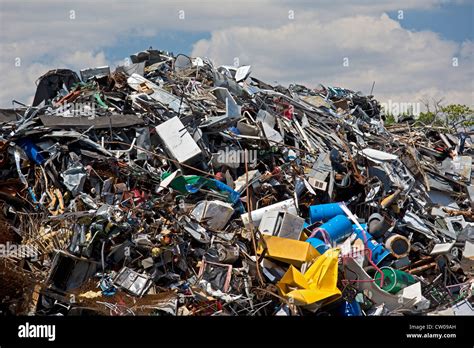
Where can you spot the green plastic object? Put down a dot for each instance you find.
(179, 183)
(99, 101)
(394, 280)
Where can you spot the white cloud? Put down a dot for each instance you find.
(18, 82)
(405, 65)
(307, 49)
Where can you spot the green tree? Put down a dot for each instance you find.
(452, 115)
(458, 115)
(389, 119)
(429, 118)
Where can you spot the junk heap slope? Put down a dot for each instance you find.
(171, 186)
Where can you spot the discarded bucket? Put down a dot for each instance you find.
(338, 228)
(379, 253)
(394, 280)
(324, 212)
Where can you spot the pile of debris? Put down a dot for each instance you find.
(173, 187)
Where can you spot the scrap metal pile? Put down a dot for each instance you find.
(173, 187)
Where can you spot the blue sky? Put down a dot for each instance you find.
(429, 54)
(452, 21)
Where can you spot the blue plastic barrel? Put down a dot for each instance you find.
(318, 244)
(338, 228)
(324, 212)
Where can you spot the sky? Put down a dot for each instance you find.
(414, 50)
